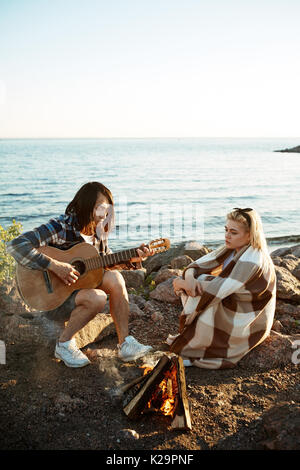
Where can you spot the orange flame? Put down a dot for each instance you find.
(147, 369)
(163, 398)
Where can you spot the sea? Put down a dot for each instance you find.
(175, 188)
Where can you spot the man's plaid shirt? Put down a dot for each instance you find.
(60, 232)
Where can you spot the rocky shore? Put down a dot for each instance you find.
(290, 150)
(254, 406)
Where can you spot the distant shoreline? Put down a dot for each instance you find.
(156, 138)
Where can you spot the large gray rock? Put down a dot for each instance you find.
(166, 273)
(134, 278)
(195, 250)
(192, 249)
(295, 250)
(288, 286)
(98, 328)
(154, 263)
(15, 328)
(290, 262)
(276, 351)
(41, 330)
(181, 262)
(289, 250)
(164, 292)
(280, 252)
(285, 309)
(10, 300)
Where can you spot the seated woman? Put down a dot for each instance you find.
(228, 297)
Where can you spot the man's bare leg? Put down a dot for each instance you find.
(89, 302)
(92, 301)
(113, 284)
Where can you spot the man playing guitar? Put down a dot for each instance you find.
(89, 217)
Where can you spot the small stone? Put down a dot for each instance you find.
(138, 300)
(157, 317)
(150, 307)
(130, 433)
(135, 311)
(277, 326)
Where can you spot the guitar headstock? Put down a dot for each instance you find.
(159, 245)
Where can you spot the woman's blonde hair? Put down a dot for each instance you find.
(251, 220)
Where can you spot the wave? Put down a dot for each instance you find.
(24, 218)
(135, 203)
(16, 194)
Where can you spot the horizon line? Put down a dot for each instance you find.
(152, 137)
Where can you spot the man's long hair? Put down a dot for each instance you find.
(83, 203)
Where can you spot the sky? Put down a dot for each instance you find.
(149, 68)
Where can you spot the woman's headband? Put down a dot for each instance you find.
(244, 213)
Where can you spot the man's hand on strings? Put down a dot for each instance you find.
(143, 251)
(65, 271)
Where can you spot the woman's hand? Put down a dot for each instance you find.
(178, 285)
(191, 286)
(65, 271)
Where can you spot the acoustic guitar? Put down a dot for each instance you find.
(43, 290)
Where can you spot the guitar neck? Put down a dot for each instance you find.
(115, 258)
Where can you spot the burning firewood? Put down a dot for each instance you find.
(182, 417)
(161, 389)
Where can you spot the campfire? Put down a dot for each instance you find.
(160, 389)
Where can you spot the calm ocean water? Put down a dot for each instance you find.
(177, 188)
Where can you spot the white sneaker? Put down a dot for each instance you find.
(69, 353)
(131, 349)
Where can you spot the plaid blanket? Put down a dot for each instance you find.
(235, 312)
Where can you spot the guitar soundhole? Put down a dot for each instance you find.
(79, 266)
